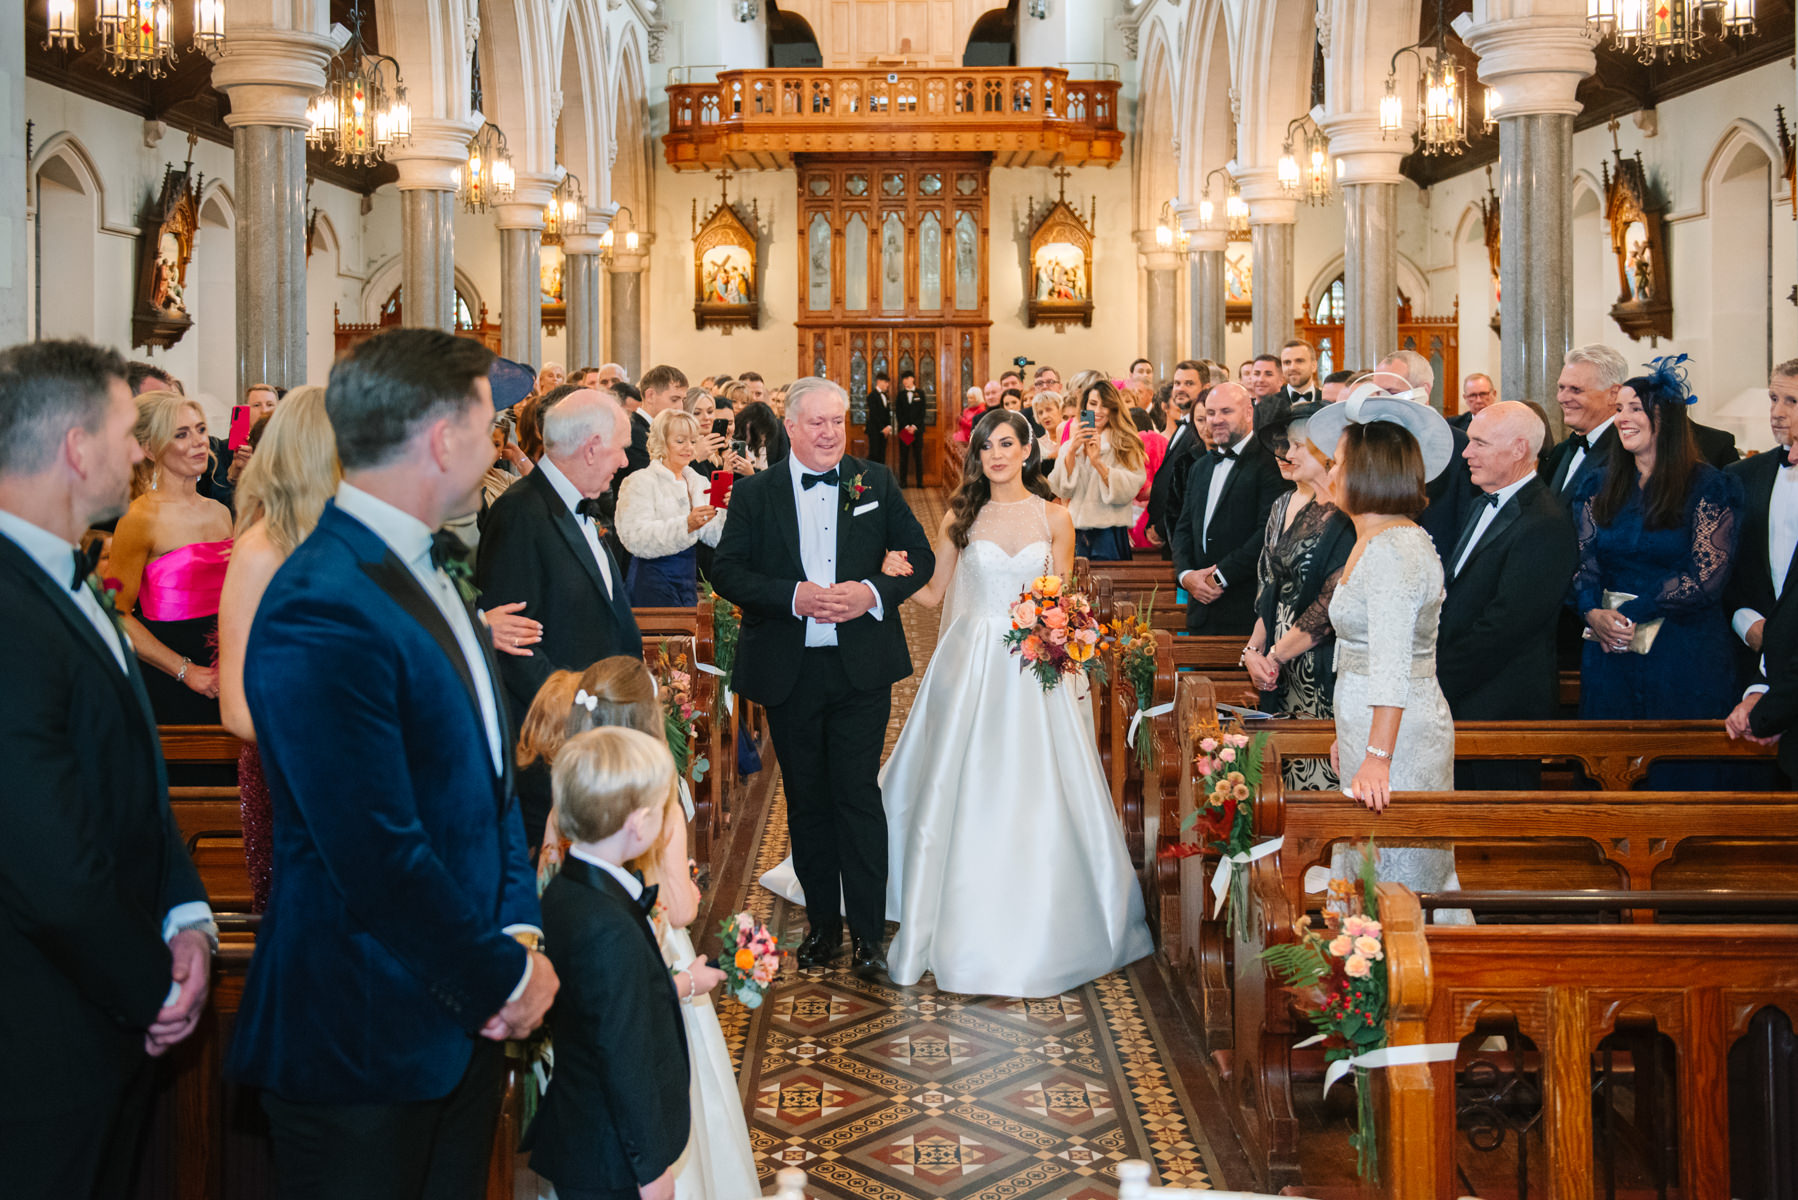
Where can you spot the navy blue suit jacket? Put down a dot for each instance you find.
(399, 856)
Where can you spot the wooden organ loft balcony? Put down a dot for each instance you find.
(750, 120)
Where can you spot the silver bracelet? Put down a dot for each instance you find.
(181, 675)
(1379, 753)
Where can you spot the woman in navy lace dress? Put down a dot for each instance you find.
(1658, 525)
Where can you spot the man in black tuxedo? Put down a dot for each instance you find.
(1506, 576)
(1450, 493)
(1715, 446)
(820, 648)
(542, 545)
(879, 424)
(1768, 536)
(1477, 392)
(1769, 707)
(1587, 393)
(105, 934)
(1223, 523)
(1267, 386)
(909, 411)
(1298, 366)
(1167, 491)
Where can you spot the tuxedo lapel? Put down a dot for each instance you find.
(403, 588)
(569, 530)
(786, 513)
(1506, 516)
(1760, 502)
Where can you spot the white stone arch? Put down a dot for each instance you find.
(1738, 136)
(1593, 271)
(518, 75)
(82, 173)
(1737, 194)
(630, 175)
(432, 41)
(67, 205)
(1156, 156)
(585, 104)
(1272, 75)
(1203, 116)
(386, 277)
(1477, 294)
(1411, 281)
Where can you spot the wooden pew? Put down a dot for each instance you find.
(690, 631)
(1567, 987)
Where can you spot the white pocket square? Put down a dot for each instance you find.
(870, 506)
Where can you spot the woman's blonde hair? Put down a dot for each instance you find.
(621, 689)
(293, 471)
(604, 775)
(158, 416)
(663, 425)
(1126, 446)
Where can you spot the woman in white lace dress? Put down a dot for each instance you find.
(1394, 731)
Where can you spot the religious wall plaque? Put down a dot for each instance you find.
(1644, 302)
(1061, 265)
(161, 315)
(726, 272)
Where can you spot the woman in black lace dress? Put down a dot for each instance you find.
(1291, 650)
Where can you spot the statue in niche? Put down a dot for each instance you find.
(168, 294)
(1061, 260)
(1640, 262)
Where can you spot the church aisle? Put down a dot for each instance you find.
(896, 1092)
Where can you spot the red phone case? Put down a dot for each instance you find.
(241, 420)
(720, 493)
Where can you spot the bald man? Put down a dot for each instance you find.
(1506, 576)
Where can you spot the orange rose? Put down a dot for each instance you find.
(745, 960)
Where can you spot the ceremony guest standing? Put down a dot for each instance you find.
(1267, 386)
(542, 547)
(763, 436)
(1507, 574)
(1587, 394)
(1291, 651)
(1769, 525)
(1298, 367)
(169, 557)
(105, 934)
(1185, 442)
(1657, 537)
(1769, 707)
(820, 648)
(1450, 493)
(909, 411)
(663, 515)
(386, 970)
(1100, 471)
(1221, 527)
(879, 424)
(1477, 392)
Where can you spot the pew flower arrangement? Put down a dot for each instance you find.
(675, 685)
(1228, 764)
(1338, 979)
(1054, 631)
(751, 958)
(1135, 642)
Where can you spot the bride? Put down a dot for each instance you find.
(1007, 868)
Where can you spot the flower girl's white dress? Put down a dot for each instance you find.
(718, 1164)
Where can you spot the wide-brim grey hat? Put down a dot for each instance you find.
(1369, 402)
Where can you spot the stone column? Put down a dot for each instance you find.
(1536, 63)
(428, 169)
(626, 296)
(1209, 291)
(1370, 273)
(17, 311)
(271, 76)
(1271, 222)
(520, 258)
(580, 298)
(1162, 269)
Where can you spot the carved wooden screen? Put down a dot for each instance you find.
(892, 277)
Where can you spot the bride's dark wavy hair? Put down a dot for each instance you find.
(975, 490)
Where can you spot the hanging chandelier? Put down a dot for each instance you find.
(1236, 209)
(1670, 29)
(136, 36)
(487, 178)
(566, 211)
(1313, 178)
(359, 114)
(1441, 95)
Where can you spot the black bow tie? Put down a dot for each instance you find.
(1221, 453)
(447, 548)
(588, 507)
(1487, 498)
(1580, 443)
(806, 478)
(646, 899)
(86, 562)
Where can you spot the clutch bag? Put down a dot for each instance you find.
(1646, 631)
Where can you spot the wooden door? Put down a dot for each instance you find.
(892, 277)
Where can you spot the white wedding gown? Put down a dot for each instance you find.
(1008, 873)
(718, 1163)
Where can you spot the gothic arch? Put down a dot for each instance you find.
(434, 54)
(517, 76)
(630, 174)
(1738, 137)
(1204, 112)
(1156, 156)
(1411, 281)
(1272, 53)
(385, 278)
(78, 172)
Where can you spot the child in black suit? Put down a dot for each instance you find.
(616, 1115)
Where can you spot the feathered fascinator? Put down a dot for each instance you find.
(1667, 383)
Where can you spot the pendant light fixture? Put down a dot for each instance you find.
(1441, 94)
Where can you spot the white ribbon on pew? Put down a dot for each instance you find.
(1160, 710)
(1385, 1056)
(709, 669)
(1220, 879)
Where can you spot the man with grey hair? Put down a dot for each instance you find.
(1587, 394)
(1452, 492)
(544, 546)
(1506, 576)
(820, 649)
(1477, 391)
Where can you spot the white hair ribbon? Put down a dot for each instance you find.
(587, 700)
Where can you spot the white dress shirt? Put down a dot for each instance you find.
(1782, 539)
(1579, 456)
(1488, 513)
(410, 539)
(571, 496)
(57, 560)
(1220, 474)
(820, 508)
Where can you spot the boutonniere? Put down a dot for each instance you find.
(852, 490)
(462, 575)
(106, 591)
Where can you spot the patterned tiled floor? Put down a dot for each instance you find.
(897, 1093)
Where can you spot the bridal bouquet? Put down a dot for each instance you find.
(751, 959)
(675, 685)
(1055, 632)
(1339, 982)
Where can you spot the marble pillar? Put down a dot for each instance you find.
(270, 74)
(18, 315)
(1164, 310)
(626, 304)
(520, 296)
(1270, 247)
(1209, 293)
(428, 259)
(580, 299)
(1370, 273)
(1535, 152)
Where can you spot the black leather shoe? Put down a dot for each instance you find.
(820, 948)
(868, 961)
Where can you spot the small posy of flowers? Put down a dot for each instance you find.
(1228, 766)
(852, 491)
(1338, 978)
(751, 958)
(1135, 642)
(1054, 631)
(675, 685)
